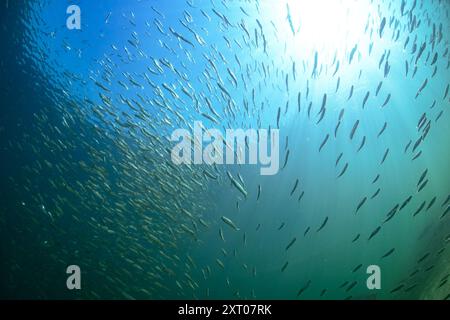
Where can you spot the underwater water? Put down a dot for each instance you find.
(359, 91)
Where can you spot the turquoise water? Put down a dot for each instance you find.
(88, 180)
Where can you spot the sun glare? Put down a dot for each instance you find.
(326, 26)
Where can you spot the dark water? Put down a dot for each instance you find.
(87, 177)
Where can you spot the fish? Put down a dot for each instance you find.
(306, 231)
(336, 129)
(336, 69)
(445, 212)
(295, 187)
(222, 88)
(406, 43)
(322, 114)
(338, 158)
(397, 288)
(445, 201)
(357, 268)
(411, 287)
(424, 84)
(446, 91)
(233, 77)
(287, 83)
(382, 129)
(323, 224)
(220, 263)
(237, 185)
(324, 102)
(209, 117)
(230, 223)
(386, 101)
(378, 88)
(301, 196)
(374, 232)
(421, 50)
(422, 120)
(442, 283)
(422, 185)
(360, 204)
(221, 234)
(355, 126)
(382, 25)
(351, 286)
(343, 170)
(314, 72)
(391, 213)
(304, 288)
(376, 178)
(286, 159)
(290, 244)
(203, 223)
(324, 142)
(435, 57)
(422, 177)
(407, 146)
(375, 193)
(278, 117)
(243, 11)
(415, 71)
(426, 255)
(289, 19)
(341, 114)
(417, 155)
(402, 8)
(407, 200)
(362, 144)
(351, 93)
(384, 156)
(352, 53)
(179, 36)
(388, 253)
(294, 73)
(430, 204)
(366, 97)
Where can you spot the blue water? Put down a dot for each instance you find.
(87, 177)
